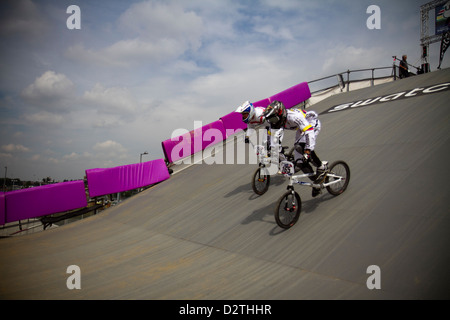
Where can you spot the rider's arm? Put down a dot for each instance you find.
(307, 130)
(310, 139)
(250, 131)
(318, 127)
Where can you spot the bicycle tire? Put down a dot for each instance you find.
(340, 168)
(287, 211)
(260, 183)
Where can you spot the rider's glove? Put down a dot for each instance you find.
(247, 140)
(307, 155)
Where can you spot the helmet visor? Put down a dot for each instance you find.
(273, 119)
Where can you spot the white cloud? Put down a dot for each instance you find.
(72, 156)
(15, 148)
(155, 32)
(110, 149)
(5, 155)
(114, 100)
(108, 153)
(44, 118)
(280, 33)
(51, 90)
(109, 145)
(154, 21)
(343, 57)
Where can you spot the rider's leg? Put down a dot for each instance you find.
(305, 167)
(298, 156)
(315, 159)
(276, 139)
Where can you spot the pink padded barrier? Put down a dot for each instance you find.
(233, 122)
(262, 103)
(2, 209)
(293, 96)
(45, 200)
(217, 134)
(102, 181)
(194, 141)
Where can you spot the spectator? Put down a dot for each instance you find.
(403, 68)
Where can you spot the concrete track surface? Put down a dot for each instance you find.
(203, 234)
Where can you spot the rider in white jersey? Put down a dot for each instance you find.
(313, 119)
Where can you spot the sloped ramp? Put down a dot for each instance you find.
(203, 234)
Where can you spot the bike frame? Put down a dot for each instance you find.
(288, 171)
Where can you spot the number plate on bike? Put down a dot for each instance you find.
(287, 168)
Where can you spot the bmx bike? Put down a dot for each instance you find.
(335, 180)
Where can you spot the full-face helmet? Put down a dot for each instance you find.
(247, 110)
(276, 114)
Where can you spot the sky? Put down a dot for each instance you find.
(136, 71)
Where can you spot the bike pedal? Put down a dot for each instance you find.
(321, 180)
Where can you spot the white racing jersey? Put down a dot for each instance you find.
(296, 120)
(313, 120)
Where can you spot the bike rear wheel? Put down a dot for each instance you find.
(261, 181)
(288, 209)
(341, 169)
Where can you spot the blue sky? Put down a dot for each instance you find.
(136, 71)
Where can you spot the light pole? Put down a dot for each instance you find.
(4, 181)
(140, 160)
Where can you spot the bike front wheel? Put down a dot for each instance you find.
(341, 169)
(288, 209)
(261, 181)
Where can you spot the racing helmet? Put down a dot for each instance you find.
(276, 114)
(247, 110)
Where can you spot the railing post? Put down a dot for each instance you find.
(348, 80)
(372, 81)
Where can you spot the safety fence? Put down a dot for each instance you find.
(345, 79)
(65, 196)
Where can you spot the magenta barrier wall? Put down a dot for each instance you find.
(102, 181)
(2, 209)
(194, 141)
(44, 200)
(262, 103)
(207, 137)
(293, 96)
(233, 121)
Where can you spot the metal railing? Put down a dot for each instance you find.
(339, 77)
